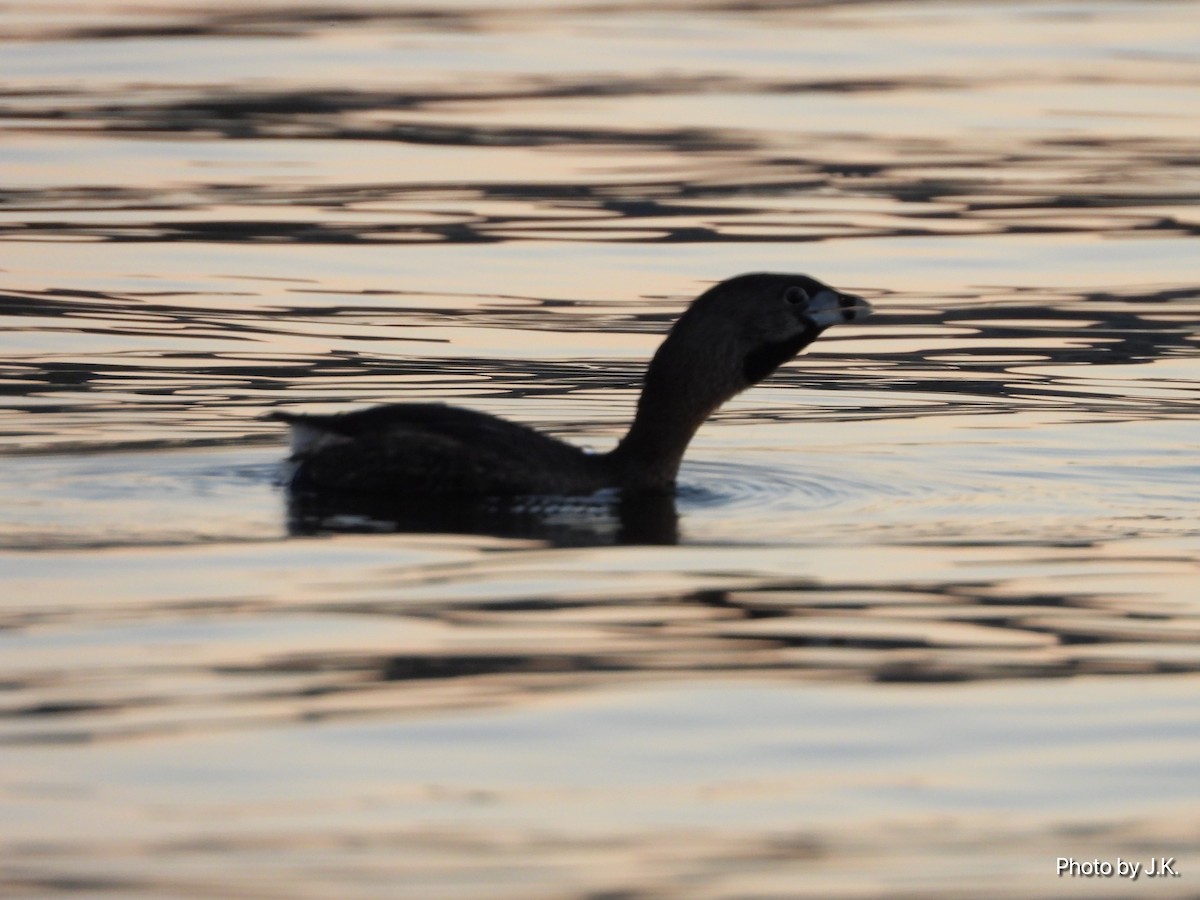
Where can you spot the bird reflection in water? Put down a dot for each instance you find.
(608, 517)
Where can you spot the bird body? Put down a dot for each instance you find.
(732, 336)
(431, 448)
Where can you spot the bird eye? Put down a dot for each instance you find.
(795, 295)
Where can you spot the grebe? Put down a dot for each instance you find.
(732, 336)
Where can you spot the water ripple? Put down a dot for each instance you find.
(742, 487)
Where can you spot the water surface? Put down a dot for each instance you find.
(923, 616)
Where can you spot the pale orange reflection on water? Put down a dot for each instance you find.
(922, 616)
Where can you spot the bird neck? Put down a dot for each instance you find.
(677, 397)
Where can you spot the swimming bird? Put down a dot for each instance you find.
(732, 336)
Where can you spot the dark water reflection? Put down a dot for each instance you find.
(756, 179)
(608, 518)
(1096, 352)
(291, 634)
(720, 202)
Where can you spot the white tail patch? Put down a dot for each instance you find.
(308, 439)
